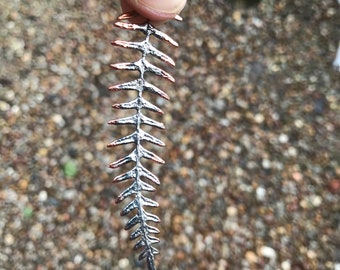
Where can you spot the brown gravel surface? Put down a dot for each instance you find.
(252, 176)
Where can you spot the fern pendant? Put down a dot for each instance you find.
(139, 176)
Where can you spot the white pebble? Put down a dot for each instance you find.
(4, 106)
(259, 118)
(123, 263)
(336, 63)
(266, 164)
(36, 231)
(58, 120)
(189, 154)
(286, 265)
(78, 259)
(231, 211)
(9, 239)
(269, 253)
(299, 123)
(292, 151)
(10, 195)
(261, 193)
(316, 200)
(70, 194)
(283, 138)
(42, 197)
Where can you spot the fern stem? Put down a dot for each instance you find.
(144, 232)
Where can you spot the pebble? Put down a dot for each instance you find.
(297, 176)
(266, 164)
(9, 239)
(189, 154)
(315, 200)
(259, 118)
(78, 259)
(58, 120)
(251, 257)
(70, 194)
(283, 138)
(311, 254)
(336, 62)
(36, 231)
(42, 196)
(261, 193)
(269, 253)
(334, 186)
(4, 106)
(123, 263)
(10, 195)
(232, 211)
(286, 265)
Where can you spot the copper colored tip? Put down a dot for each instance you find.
(128, 15)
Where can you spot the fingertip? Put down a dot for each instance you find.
(154, 10)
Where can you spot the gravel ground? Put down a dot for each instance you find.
(252, 176)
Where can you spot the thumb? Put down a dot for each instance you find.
(155, 10)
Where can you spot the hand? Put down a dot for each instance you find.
(157, 11)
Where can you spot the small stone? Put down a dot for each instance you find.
(261, 193)
(27, 212)
(88, 156)
(298, 123)
(259, 118)
(334, 186)
(286, 265)
(78, 259)
(70, 194)
(42, 152)
(58, 120)
(304, 204)
(297, 176)
(48, 142)
(23, 184)
(232, 211)
(70, 168)
(311, 254)
(42, 197)
(10, 195)
(123, 263)
(336, 63)
(292, 151)
(268, 252)
(266, 164)
(283, 138)
(222, 264)
(189, 154)
(9, 239)
(96, 68)
(316, 200)
(4, 106)
(251, 257)
(100, 145)
(36, 231)
(237, 16)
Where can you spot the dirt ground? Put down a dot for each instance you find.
(252, 176)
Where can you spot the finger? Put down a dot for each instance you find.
(153, 10)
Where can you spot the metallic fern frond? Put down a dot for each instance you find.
(139, 174)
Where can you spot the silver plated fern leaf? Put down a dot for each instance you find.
(141, 178)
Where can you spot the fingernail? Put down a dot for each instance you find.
(167, 6)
